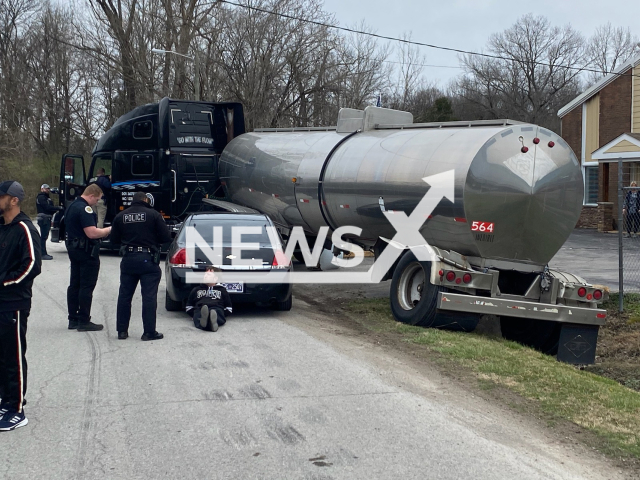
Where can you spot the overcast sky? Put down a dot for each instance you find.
(467, 24)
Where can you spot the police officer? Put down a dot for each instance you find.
(141, 231)
(46, 209)
(83, 246)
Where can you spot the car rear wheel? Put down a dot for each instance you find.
(171, 305)
(284, 306)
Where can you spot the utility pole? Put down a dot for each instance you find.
(196, 61)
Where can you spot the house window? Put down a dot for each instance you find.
(634, 173)
(590, 184)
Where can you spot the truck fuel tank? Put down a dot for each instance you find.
(518, 187)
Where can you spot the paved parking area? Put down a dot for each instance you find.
(594, 256)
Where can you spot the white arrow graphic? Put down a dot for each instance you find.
(408, 227)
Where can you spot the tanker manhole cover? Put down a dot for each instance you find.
(578, 346)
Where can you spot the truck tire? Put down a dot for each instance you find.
(171, 305)
(542, 335)
(414, 298)
(284, 306)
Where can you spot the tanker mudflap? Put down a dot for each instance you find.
(577, 344)
(457, 302)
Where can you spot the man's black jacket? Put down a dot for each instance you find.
(140, 226)
(45, 205)
(19, 262)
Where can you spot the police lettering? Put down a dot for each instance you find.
(134, 217)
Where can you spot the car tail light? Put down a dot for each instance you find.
(179, 258)
(597, 294)
(280, 260)
(582, 292)
(466, 278)
(451, 276)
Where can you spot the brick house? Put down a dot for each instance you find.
(602, 125)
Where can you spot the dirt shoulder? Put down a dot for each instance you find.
(429, 374)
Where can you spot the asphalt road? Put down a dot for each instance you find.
(270, 395)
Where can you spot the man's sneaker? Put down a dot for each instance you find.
(123, 335)
(12, 420)
(204, 316)
(3, 410)
(151, 336)
(214, 320)
(47, 257)
(89, 327)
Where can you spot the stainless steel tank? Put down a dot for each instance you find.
(526, 200)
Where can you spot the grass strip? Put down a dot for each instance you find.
(600, 405)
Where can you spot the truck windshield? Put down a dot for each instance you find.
(190, 125)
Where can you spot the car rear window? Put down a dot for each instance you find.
(205, 228)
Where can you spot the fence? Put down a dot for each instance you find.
(628, 225)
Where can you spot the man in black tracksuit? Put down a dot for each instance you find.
(141, 231)
(46, 209)
(19, 265)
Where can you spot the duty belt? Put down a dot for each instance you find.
(139, 249)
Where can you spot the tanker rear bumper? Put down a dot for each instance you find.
(521, 309)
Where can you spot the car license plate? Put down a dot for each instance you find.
(237, 287)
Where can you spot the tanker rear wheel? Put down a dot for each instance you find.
(414, 298)
(542, 335)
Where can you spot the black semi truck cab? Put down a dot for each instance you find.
(169, 150)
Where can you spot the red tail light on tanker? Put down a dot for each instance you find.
(582, 292)
(451, 276)
(597, 294)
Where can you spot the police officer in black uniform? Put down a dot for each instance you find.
(141, 231)
(83, 246)
(46, 209)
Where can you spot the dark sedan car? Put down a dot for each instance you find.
(265, 257)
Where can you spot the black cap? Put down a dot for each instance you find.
(13, 188)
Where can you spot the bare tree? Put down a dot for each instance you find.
(537, 71)
(363, 71)
(609, 47)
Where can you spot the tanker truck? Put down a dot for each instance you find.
(518, 191)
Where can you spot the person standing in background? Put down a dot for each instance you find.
(19, 264)
(632, 209)
(100, 208)
(46, 209)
